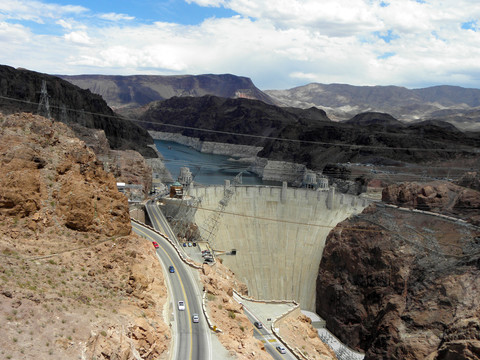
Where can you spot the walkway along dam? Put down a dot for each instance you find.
(279, 234)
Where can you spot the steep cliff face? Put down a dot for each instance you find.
(21, 91)
(402, 285)
(74, 282)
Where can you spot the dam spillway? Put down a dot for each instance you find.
(279, 234)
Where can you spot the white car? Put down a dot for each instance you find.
(195, 318)
(281, 350)
(181, 305)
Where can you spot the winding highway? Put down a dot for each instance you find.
(159, 222)
(192, 340)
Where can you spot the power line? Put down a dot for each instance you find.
(279, 220)
(352, 146)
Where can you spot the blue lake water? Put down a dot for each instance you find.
(207, 169)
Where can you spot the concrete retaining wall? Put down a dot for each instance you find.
(138, 214)
(279, 234)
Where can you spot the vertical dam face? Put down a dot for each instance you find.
(279, 234)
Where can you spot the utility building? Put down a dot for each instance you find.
(176, 190)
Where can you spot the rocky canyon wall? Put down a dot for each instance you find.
(398, 284)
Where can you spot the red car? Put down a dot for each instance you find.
(155, 244)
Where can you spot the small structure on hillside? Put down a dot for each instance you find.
(176, 190)
(121, 187)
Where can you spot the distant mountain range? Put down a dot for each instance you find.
(138, 90)
(242, 114)
(457, 105)
(128, 95)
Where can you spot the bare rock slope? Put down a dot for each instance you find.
(404, 285)
(74, 282)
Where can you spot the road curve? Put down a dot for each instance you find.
(268, 339)
(192, 339)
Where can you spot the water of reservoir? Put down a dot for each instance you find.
(207, 169)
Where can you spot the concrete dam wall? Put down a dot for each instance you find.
(279, 234)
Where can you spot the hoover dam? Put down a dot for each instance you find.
(278, 232)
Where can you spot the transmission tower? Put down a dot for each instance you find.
(211, 224)
(44, 105)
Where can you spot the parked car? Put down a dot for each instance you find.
(258, 324)
(281, 350)
(195, 318)
(181, 305)
(155, 244)
(171, 269)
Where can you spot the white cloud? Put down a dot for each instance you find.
(13, 34)
(78, 37)
(278, 44)
(36, 10)
(65, 24)
(116, 17)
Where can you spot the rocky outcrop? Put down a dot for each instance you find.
(470, 180)
(44, 163)
(127, 166)
(21, 92)
(69, 274)
(307, 136)
(227, 315)
(300, 333)
(438, 196)
(402, 285)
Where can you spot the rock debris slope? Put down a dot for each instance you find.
(74, 282)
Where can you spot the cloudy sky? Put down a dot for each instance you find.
(279, 44)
